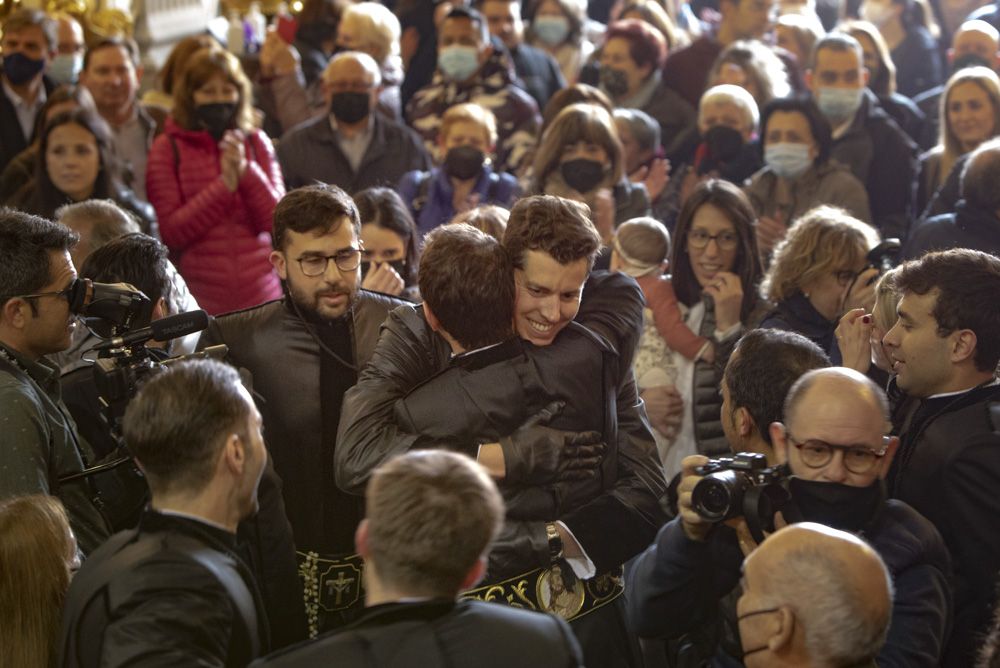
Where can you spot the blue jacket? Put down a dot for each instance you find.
(435, 205)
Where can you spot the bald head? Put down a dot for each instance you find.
(350, 66)
(975, 38)
(837, 394)
(832, 583)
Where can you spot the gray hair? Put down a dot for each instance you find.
(643, 128)
(108, 220)
(841, 629)
(735, 95)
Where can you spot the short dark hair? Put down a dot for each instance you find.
(768, 363)
(178, 422)
(467, 281)
(384, 208)
(26, 18)
(25, 243)
(137, 259)
(839, 42)
(126, 44)
(469, 14)
(967, 283)
(431, 514)
(317, 208)
(554, 225)
(980, 176)
(646, 45)
(731, 201)
(818, 125)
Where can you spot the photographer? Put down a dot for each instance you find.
(39, 443)
(833, 442)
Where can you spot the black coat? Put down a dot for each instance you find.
(948, 469)
(797, 314)
(440, 634)
(537, 72)
(12, 140)
(884, 158)
(680, 587)
(169, 608)
(968, 227)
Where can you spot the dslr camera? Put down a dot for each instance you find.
(741, 486)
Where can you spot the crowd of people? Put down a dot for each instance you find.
(651, 334)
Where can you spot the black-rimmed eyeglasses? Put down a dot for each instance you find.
(316, 265)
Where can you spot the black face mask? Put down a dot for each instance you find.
(216, 117)
(349, 107)
(838, 506)
(969, 60)
(614, 81)
(464, 162)
(581, 174)
(724, 143)
(398, 265)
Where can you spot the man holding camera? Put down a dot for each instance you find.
(40, 444)
(945, 348)
(833, 441)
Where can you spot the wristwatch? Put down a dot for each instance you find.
(555, 541)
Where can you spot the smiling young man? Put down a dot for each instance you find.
(304, 352)
(945, 348)
(39, 442)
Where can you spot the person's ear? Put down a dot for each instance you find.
(963, 345)
(779, 438)
(890, 452)
(234, 454)
(361, 539)
(744, 422)
(785, 632)
(865, 75)
(432, 320)
(807, 78)
(160, 309)
(138, 72)
(645, 71)
(12, 312)
(950, 56)
(475, 574)
(279, 263)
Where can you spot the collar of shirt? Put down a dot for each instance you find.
(194, 518)
(355, 147)
(25, 111)
(995, 381)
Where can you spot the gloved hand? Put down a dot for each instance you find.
(535, 454)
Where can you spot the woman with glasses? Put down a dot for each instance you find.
(214, 181)
(818, 273)
(715, 271)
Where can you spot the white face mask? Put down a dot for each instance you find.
(65, 68)
(878, 13)
(788, 160)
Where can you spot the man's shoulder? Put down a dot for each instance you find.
(905, 538)
(369, 300)
(307, 131)
(245, 322)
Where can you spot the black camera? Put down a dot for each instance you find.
(885, 256)
(741, 486)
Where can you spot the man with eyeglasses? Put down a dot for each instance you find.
(39, 443)
(351, 147)
(833, 441)
(305, 352)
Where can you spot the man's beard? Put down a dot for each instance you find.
(314, 304)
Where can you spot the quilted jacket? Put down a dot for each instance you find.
(220, 240)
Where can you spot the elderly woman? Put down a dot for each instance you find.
(580, 157)
(818, 272)
(630, 64)
(798, 174)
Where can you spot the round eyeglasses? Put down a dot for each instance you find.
(858, 459)
(315, 265)
(726, 241)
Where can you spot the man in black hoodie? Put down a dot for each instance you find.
(945, 348)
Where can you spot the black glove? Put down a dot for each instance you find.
(535, 454)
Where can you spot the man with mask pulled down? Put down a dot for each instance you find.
(833, 442)
(351, 147)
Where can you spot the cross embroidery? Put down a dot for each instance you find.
(338, 586)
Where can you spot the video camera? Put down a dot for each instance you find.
(111, 311)
(741, 486)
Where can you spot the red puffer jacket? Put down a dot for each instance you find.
(223, 238)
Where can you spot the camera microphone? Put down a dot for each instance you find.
(163, 329)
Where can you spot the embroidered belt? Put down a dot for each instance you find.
(548, 590)
(329, 585)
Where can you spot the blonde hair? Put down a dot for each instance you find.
(949, 146)
(201, 68)
(35, 549)
(886, 300)
(642, 244)
(824, 240)
(470, 113)
(487, 218)
(578, 122)
(378, 25)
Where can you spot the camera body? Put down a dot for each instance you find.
(740, 486)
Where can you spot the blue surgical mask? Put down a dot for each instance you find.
(788, 160)
(65, 68)
(457, 62)
(553, 30)
(839, 104)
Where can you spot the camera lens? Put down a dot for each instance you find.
(711, 498)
